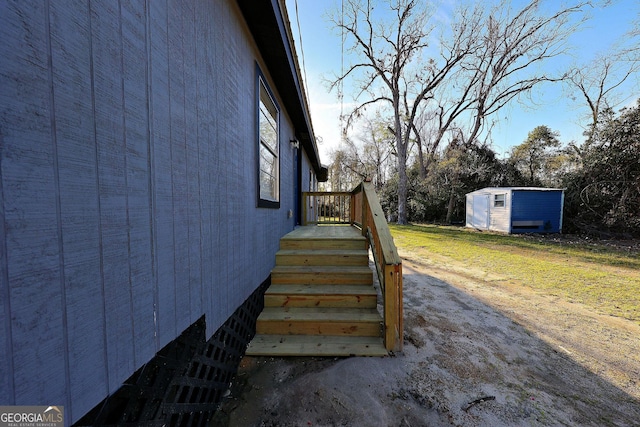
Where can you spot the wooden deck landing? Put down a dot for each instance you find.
(324, 232)
(332, 237)
(321, 301)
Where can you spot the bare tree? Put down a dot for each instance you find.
(507, 66)
(633, 39)
(365, 157)
(346, 169)
(600, 81)
(487, 58)
(377, 149)
(392, 68)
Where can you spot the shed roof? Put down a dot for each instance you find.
(496, 189)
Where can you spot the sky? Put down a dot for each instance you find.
(318, 46)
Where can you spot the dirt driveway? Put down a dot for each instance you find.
(479, 351)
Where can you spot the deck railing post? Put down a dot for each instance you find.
(352, 208)
(390, 309)
(304, 208)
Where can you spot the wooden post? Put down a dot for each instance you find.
(304, 209)
(393, 322)
(365, 210)
(400, 307)
(390, 309)
(352, 209)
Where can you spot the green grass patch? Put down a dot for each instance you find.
(598, 275)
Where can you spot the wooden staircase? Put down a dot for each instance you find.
(321, 301)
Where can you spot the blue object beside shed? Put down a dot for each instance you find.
(515, 209)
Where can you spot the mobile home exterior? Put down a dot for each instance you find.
(149, 165)
(515, 209)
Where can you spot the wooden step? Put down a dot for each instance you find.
(296, 295)
(322, 257)
(321, 301)
(348, 244)
(319, 321)
(322, 275)
(347, 238)
(305, 345)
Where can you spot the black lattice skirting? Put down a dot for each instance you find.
(185, 382)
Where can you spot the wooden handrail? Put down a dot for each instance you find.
(365, 212)
(388, 265)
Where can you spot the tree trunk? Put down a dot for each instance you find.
(402, 181)
(423, 166)
(452, 205)
(401, 147)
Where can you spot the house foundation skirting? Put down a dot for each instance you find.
(184, 383)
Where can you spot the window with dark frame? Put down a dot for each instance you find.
(269, 148)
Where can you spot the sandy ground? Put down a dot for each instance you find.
(479, 351)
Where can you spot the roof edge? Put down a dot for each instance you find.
(517, 189)
(271, 29)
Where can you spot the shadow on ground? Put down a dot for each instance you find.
(473, 356)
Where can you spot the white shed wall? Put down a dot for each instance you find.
(498, 218)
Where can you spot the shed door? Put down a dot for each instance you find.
(480, 218)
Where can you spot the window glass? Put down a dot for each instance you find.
(269, 146)
(268, 174)
(498, 200)
(268, 127)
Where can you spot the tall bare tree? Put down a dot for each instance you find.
(488, 57)
(393, 69)
(515, 44)
(600, 81)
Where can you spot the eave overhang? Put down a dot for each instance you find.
(269, 25)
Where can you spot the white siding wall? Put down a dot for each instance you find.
(469, 210)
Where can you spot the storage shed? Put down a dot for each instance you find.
(516, 209)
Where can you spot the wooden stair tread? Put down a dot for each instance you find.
(322, 257)
(299, 289)
(315, 252)
(344, 244)
(321, 295)
(341, 269)
(319, 321)
(322, 275)
(325, 345)
(325, 232)
(324, 238)
(320, 237)
(323, 314)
